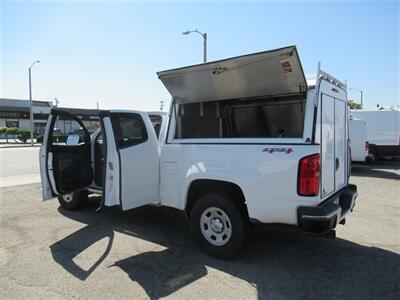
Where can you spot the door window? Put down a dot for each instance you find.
(69, 131)
(156, 121)
(70, 160)
(129, 130)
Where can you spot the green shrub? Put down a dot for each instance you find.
(11, 130)
(16, 133)
(23, 134)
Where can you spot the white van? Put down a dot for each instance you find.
(383, 130)
(246, 140)
(358, 140)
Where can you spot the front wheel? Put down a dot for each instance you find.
(219, 224)
(74, 200)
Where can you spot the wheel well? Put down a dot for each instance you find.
(201, 187)
(373, 149)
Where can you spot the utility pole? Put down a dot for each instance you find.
(30, 100)
(361, 95)
(204, 35)
(205, 47)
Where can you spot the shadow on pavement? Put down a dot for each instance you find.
(279, 265)
(382, 169)
(71, 246)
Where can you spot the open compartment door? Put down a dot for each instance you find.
(271, 73)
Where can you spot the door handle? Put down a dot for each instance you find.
(337, 163)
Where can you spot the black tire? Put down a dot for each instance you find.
(373, 155)
(238, 222)
(74, 200)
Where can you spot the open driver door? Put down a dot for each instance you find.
(65, 158)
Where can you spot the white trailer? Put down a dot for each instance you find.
(383, 130)
(358, 140)
(246, 140)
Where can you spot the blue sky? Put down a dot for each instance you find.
(110, 51)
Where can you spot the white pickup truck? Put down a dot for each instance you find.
(246, 140)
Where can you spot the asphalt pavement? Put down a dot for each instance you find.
(19, 165)
(149, 252)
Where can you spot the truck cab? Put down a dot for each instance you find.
(246, 140)
(125, 147)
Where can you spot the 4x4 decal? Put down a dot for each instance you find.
(272, 150)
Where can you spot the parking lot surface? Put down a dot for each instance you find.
(18, 165)
(47, 252)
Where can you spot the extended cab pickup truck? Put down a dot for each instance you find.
(246, 140)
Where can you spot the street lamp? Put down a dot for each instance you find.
(204, 35)
(30, 100)
(361, 93)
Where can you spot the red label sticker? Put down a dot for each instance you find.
(287, 68)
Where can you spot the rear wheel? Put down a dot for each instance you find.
(219, 224)
(373, 155)
(74, 200)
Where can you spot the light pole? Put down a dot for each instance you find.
(30, 100)
(361, 93)
(204, 35)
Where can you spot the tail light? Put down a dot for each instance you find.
(366, 145)
(309, 176)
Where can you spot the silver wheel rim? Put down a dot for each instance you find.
(67, 197)
(215, 226)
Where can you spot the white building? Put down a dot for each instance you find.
(15, 113)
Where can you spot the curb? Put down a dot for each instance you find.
(19, 146)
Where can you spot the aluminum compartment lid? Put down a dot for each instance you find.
(269, 73)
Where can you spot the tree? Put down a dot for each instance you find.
(353, 105)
